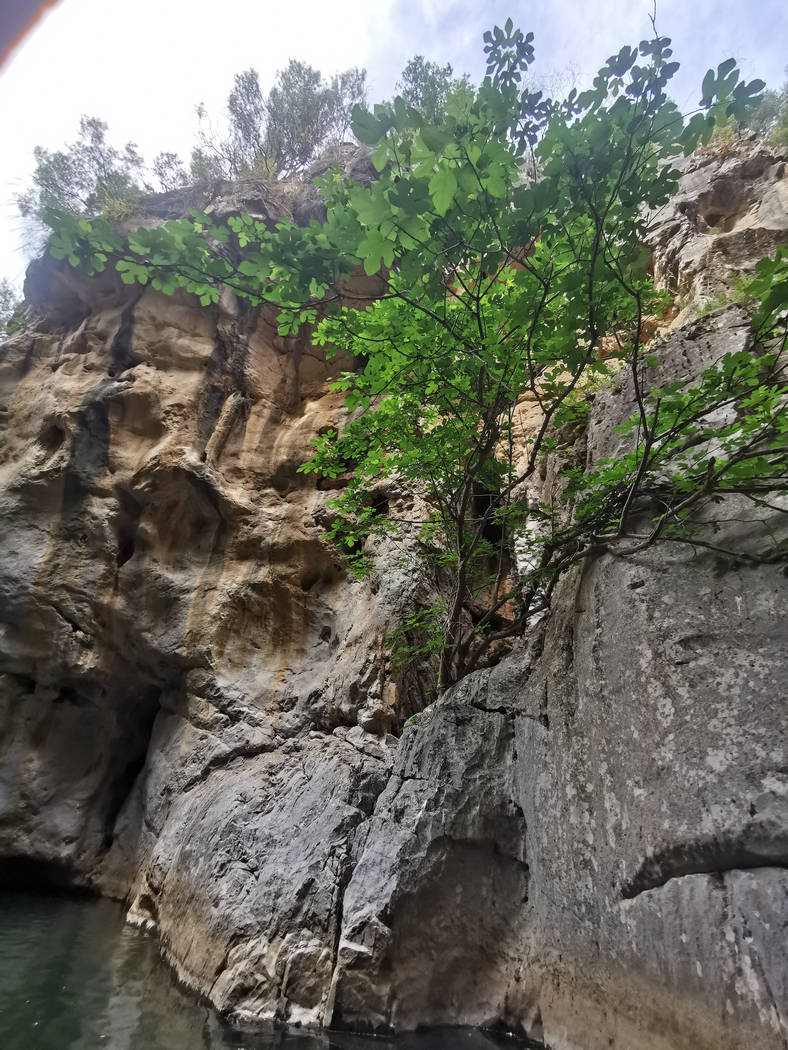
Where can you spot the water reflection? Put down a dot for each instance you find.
(73, 976)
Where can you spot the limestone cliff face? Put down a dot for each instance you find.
(589, 840)
(195, 700)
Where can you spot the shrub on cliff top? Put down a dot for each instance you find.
(281, 132)
(9, 301)
(88, 176)
(494, 285)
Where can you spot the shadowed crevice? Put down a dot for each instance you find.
(703, 858)
(89, 455)
(120, 352)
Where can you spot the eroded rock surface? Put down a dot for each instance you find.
(588, 841)
(730, 211)
(632, 816)
(196, 703)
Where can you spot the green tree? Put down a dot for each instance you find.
(770, 117)
(428, 86)
(306, 112)
(89, 175)
(168, 170)
(9, 300)
(490, 287)
(247, 115)
(239, 152)
(210, 158)
(282, 132)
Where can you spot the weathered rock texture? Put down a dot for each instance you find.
(594, 834)
(588, 841)
(195, 701)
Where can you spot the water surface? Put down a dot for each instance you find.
(74, 976)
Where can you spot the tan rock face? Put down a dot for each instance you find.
(730, 211)
(196, 706)
(177, 636)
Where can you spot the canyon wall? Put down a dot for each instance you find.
(587, 842)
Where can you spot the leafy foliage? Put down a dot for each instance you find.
(769, 118)
(494, 287)
(9, 300)
(281, 133)
(168, 170)
(89, 177)
(428, 86)
(86, 176)
(278, 134)
(306, 112)
(247, 114)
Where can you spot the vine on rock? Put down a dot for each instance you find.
(507, 237)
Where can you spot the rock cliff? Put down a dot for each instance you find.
(587, 842)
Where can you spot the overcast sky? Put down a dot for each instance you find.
(143, 65)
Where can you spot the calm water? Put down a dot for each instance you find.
(73, 976)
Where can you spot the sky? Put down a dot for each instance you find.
(143, 66)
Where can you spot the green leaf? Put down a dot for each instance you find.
(443, 186)
(375, 250)
(494, 182)
(435, 139)
(707, 88)
(380, 157)
(366, 128)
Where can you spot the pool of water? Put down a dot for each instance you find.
(74, 976)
